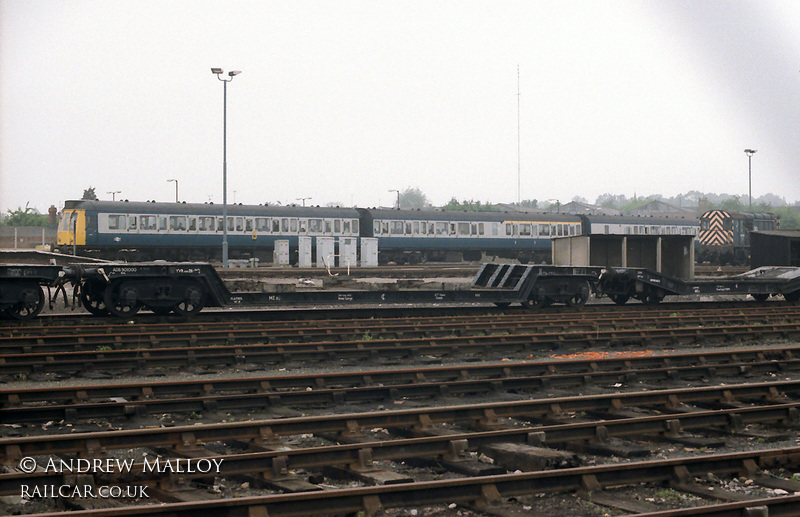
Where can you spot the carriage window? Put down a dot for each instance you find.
(162, 223)
(285, 225)
(441, 228)
(206, 224)
(480, 228)
(346, 226)
(452, 228)
(354, 226)
(525, 230)
(385, 227)
(131, 222)
(397, 227)
(239, 224)
(463, 228)
(509, 229)
(544, 229)
(431, 230)
(276, 225)
(572, 229)
(248, 225)
(262, 224)
(408, 228)
(148, 222)
(315, 225)
(495, 229)
(114, 222)
(302, 226)
(329, 226)
(177, 222)
(192, 224)
(415, 227)
(337, 226)
(293, 225)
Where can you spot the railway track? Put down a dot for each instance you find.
(75, 338)
(152, 354)
(361, 457)
(74, 403)
(622, 427)
(77, 318)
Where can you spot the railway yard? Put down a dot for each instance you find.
(378, 315)
(471, 411)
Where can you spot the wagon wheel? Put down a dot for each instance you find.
(532, 304)
(31, 302)
(581, 295)
(193, 300)
(653, 298)
(92, 297)
(760, 297)
(619, 299)
(121, 300)
(537, 300)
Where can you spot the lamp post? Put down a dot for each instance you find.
(398, 197)
(176, 189)
(303, 199)
(218, 72)
(750, 153)
(114, 194)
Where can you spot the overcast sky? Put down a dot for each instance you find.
(343, 101)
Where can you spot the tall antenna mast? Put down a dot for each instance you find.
(519, 194)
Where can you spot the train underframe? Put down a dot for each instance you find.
(264, 255)
(723, 255)
(413, 257)
(172, 254)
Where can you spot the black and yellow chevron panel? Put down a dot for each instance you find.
(715, 233)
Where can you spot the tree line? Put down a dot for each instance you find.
(413, 198)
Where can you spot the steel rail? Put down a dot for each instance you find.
(593, 312)
(485, 346)
(420, 387)
(673, 366)
(323, 311)
(476, 491)
(164, 333)
(264, 431)
(450, 447)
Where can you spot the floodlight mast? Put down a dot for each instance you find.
(750, 153)
(218, 72)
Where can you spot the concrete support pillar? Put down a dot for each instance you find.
(659, 267)
(624, 253)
